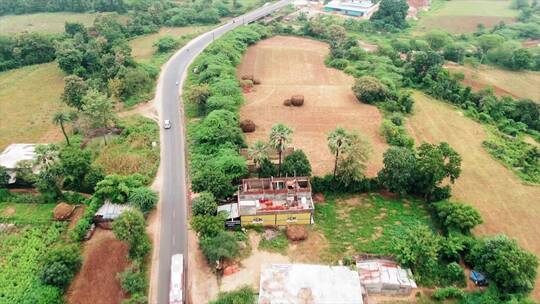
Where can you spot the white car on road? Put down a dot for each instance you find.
(166, 124)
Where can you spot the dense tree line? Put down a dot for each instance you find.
(25, 49)
(19, 7)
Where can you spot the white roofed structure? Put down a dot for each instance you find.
(302, 283)
(14, 154)
(380, 276)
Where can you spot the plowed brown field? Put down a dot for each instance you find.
(290, 65)
(506, 204)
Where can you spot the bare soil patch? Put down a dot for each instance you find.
(76, 215)
(523, 84)
(9, 211)
(289, 66)
(103, 258)
(507, 205)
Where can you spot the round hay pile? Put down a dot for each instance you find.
(256, 81)
(287, 102)
(297, 100)
(246, 83)
(247, 126)
(297, 233)
(318, 197)
(62, 211)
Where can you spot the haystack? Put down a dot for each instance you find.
(287, 102)
(318, 197)
(247, 77)
(247, 126)
(297, 233)
(246, 83)
(62, 211)
(297, 100)
(256, 81)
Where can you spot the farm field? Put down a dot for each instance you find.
(45, 22)
(28, 98)
(461, 16)
(143, 49)
(523, 84)
(290, 65)
(96, 283)
(506, 204)
(26, 213)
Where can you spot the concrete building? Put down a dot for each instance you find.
(386, 277)
(355, 8)
(13, 155)
(275, 201)
(301, 283)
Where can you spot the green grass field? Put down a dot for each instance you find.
(28, 98)
(44, 22)
(460, 16)
(143, 47)
(365, 224)
(26, 213)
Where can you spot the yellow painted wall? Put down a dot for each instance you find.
(277, 219)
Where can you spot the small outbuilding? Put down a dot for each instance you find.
(13, 155)
(302, 283)
(381, 276)
(107, 213)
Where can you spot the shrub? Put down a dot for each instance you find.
(208, 226)
(222, 245)
(60, 265)
(396, 135)
(296, 164)
(130, 227)
(369, 89)
(457, 216)
(143, 198)
(204, 204)
(447, 293)
(118, 187)
(243, 295)
(165, 44)
(133, 281)
(454, 275)
(267, 168)
(218, 128)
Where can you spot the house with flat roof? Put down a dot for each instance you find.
(355, 8)
(13, 155)
(275, 201)
(302, 283)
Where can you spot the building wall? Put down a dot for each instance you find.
(277, 219)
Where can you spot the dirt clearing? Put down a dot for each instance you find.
(507, 205)
(523, 84)
(103, 258)
(288, 66)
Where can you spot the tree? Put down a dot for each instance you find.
(223, 245)
(117, 188)
(143, 198)
(133, 280)
(417, 247)
(352, 162)
(198, 94)
(258, 152)
(521, 59)
(4, 177)
(208, 226)
(98, 109)
(433, 165)
(457, 216)
(60, 265)
(75, 165)
(280, 137)
(399, 170)
(59, 119)
(296, 164)
(438, 39)
(487, 42)
(243, 295)
(510, 268)
(369, 89)
(130, 227)
(46, 155)
(75, 89)
(424, 63)
(49, 183)
(165, 44)
(338, 141)
(204, 204)
(267, 168)
(212, 180)
(391, 14)
(218, 128)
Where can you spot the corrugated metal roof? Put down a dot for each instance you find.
(230, 209)
(110, 211)
(359, 6)
(15, 153)
(384, 272)
(302, 283)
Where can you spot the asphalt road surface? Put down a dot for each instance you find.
(173, 215)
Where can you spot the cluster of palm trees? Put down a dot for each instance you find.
(347, 147)
(280, 137)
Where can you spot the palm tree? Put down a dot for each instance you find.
(46, 155)
(280, 136)
(258, 152)
(338, 141)
(60, 118)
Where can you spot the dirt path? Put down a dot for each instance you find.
(506, 204)
(290, 65)
(103, 258)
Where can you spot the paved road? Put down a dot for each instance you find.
(173, 234)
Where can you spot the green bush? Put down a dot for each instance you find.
(457, 216)
(369, 89)
(117, 188)
(208, 226)
(60, 265)
(243, 295)
(222, 245)
(296, 164)
(130, 227)
(455, 275)
(165, 44)
(396, 135)
(133, 280)
(143, 198)
(204, 204)
(447, 293)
